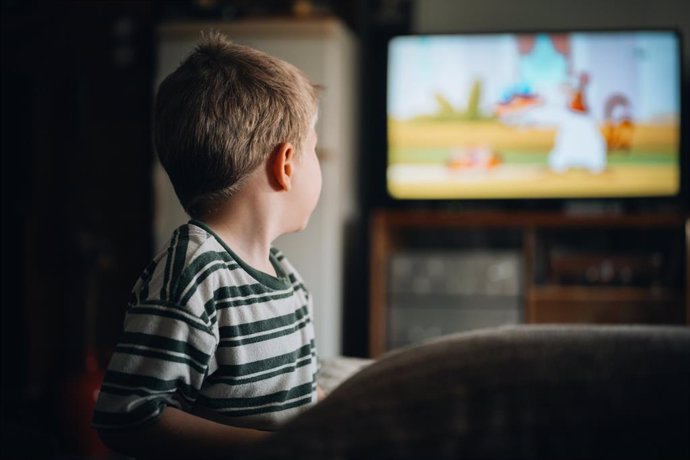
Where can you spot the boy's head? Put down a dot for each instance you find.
(221, 114)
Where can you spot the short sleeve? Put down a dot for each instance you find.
(161, 360)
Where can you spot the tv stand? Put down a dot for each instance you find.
(573, 267)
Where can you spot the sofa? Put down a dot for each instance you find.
(521, 392)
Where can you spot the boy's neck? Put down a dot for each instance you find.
(246, 225)
(247, 242)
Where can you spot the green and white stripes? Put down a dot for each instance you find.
(209, 334)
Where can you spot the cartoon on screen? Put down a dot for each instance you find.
(533, 115)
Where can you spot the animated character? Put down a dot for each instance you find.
(579, 142)
(618, 128)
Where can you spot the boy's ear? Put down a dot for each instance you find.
(283, 165)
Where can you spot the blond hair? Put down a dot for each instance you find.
(222, 113)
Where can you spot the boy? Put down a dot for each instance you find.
(218, 343)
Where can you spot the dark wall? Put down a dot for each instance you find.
(76, 200)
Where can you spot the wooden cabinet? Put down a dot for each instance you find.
(573, 268)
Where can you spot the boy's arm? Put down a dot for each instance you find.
(177, 434)
(320, 394)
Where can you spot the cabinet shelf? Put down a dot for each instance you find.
(646, 253)
(555, 293)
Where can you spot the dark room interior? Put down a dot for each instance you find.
(80, 209)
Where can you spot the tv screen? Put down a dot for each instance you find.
(534, 115)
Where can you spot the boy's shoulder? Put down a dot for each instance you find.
(192, 248)
(196, 263)
(183, 267)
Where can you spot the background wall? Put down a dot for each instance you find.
(76, 90)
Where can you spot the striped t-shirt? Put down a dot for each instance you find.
(209, 334)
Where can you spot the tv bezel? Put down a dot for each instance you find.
(677, 201)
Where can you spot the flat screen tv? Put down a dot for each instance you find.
(590, 114)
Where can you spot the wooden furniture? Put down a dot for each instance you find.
(635, 273)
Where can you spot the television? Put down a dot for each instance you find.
(553, 115)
